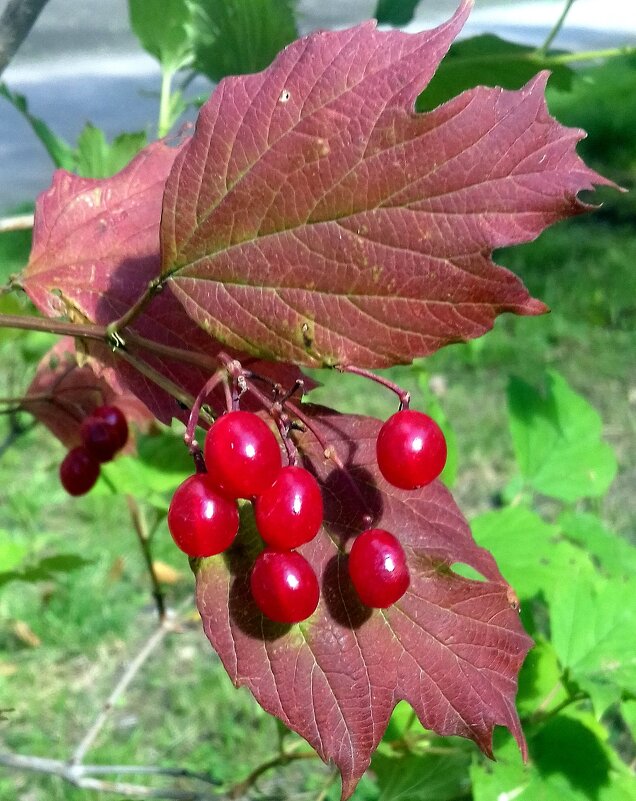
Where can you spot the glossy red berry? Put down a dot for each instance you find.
(411, 449)
(79, 471)
(284, 586)
(202, 522)
(289, 513)
(378, 569)
(99, 438)
(116, 419)
(242, 455)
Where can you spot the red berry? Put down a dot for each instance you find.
(284, 586)
(378, 569)
(99, 438)
(202, 522)
(242, 455)
(79, 471)
(289, 513)
(411, 449)
(117, 420)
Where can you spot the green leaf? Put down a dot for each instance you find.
(96, 158)
(422, 777)
(433, 408)
(160, 26)
(540, 684)
(490, 61)
(235, 37)
(569, 759)
(556, 436)
(395, 12)
(161, 465)
(530, 553)
(59, 150)
(628, 713)
(592, 621)
(11, 553)
(613, 553)
(45, 569)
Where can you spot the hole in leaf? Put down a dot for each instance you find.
(467, 571)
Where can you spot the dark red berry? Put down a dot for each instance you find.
(378, 569)
(117, 420)
(284, 586)
(79, 471)
(202, 522)
(242, 455)
(99, 438)
(411, 449)
(289, 513)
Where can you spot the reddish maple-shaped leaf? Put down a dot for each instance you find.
(62, 394)
(95, 249)
(314, 217)
(452, 647)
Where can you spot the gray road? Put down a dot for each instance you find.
(81, 62)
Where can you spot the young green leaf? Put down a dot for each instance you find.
(61, 153)
(614, 554)
(234, 37)
(450, 646)
(314, 218)
(422, 777)
(96, 158)
(530, 553)
(487, 60)
(557, 440)
(160, 26)
(591, 620)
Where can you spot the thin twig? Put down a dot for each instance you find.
(556, 28)
(154, 287)
(18, 222)
(17, 20)
(78, 776)
(141, 529)
(166, 626)
(240, 788)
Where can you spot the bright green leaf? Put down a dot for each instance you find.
(530, 553)
(422, 777)
(11, 553)
(96, 158)
(613, 553)
(60, 151)
(395, 12)
(161, 465)
(540, 684)
(592, 621)
(556, 436)
(235, 37)
(490, 61)
(160, 26)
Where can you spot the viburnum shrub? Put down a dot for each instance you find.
(312, 219)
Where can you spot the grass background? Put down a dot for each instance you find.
(182, 709)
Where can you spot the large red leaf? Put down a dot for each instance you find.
(95, 249)
(63, 393)
(315, 217)
(452, 647)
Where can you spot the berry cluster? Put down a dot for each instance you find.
(243, 460)
(103, 433)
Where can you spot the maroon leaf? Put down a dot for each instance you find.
(62, 394)
(451, 647)
(95, 249)
(314, 217)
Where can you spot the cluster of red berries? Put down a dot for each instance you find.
(243, 460)
(103, 433)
